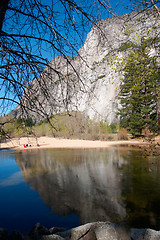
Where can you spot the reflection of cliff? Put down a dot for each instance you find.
(87, 182)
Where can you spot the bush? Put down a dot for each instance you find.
(122, 134)
(112, 128)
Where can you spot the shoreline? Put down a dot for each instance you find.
(51, 142)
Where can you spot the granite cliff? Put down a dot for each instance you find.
(87, 82)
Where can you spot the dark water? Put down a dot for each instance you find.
(69, 187)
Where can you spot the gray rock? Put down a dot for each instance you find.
(64, 234)
(54, 230)
(144, 234)
(123, 231)
(51, 237)
(90, 231)
(106, 232)
(86, 235)
(101, 231)
(86, 231)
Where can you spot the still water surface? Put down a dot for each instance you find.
(69, 187)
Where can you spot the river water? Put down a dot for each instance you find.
(69, 187)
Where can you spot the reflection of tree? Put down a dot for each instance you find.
(139, 190)
(83, 181)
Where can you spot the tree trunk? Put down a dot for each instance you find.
(157, 113)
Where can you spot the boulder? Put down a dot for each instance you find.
(86, 231)
(122, 230)
(51, 237)
(144, 234)
(119, 231)
(38, 230)
(101, 231)
(89, 231)
(54, 230)
(95, 231)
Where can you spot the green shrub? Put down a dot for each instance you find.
(112, 128)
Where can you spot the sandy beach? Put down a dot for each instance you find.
(50, 142)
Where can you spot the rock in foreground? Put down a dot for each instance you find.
(90, 231)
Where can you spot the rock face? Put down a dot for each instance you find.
(88, 81)
(90, 231)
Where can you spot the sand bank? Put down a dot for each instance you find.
(50, 142)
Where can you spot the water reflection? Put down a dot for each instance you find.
(141, 189)
(115, 184)
(21, 206)
(86, 182)
(14, 179)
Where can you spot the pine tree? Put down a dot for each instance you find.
(139, 89)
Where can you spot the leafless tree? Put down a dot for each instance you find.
(31, 31)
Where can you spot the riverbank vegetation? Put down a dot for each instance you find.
(72, 125)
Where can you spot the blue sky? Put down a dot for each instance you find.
(117, 7)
